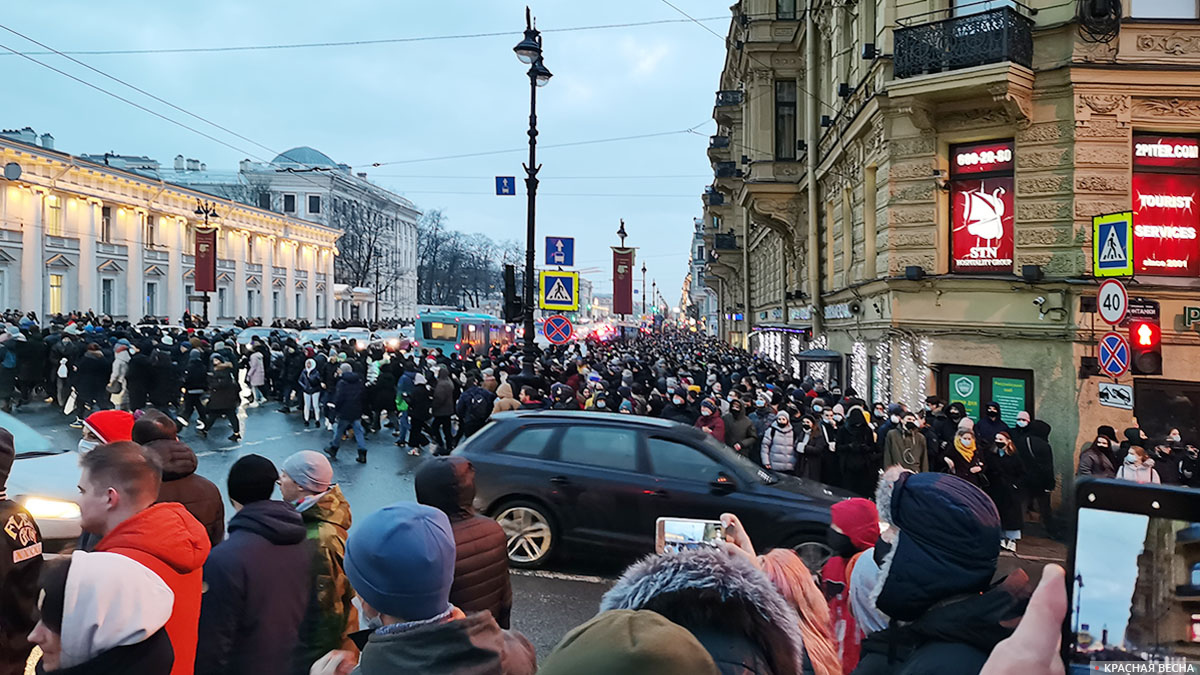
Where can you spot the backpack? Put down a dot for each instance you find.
(479, 408)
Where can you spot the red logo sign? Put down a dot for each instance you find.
(1176, 152)
(976, 158)
(982, 230)
(1164, 224)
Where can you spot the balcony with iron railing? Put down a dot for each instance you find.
(726, 170)
(930, 44)
(729, 97)
(728, 109)
(712, 197)
(718, 148)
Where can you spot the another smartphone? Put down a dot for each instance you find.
(1134, 575)
(682, 534)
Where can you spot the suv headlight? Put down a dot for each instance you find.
(45, 507)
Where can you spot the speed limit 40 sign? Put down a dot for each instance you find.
(1112, 302)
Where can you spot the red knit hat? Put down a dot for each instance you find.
(858, 519)
(110, 426)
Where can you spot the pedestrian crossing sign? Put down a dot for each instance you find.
(559, 291)
(1112, 245)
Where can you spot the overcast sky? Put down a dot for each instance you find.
(407, 102)
(1107, 548)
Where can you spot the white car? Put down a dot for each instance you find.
(45, 481)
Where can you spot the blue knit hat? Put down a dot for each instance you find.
(400, 560)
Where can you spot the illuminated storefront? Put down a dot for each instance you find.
(1166, 180)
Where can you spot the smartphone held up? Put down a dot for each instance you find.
(683, 534)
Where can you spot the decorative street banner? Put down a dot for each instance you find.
(982, 224)
(206, 260)
(1164, 224)
(623, 280)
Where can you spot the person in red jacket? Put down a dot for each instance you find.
(117, 491)
(855, 528)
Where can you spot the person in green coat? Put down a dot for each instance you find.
(905, 446)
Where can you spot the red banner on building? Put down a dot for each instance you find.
(1165, 239)
(623, 280)
(982, 224)
(206, 261)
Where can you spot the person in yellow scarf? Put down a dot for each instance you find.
(965, 462)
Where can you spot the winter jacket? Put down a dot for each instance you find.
(223, 391)
(348, 396)
(906, 449)
(419, 401)
(174, 545)
(1166, 465)
(986, 429)
(258, 583)
(481, 581)
(91, 375)
(181, 484)
(714, 423)
(195, 376)
(739, 430)
(679, 413)
(726, 602)
(471, 645)
(1142, 472)
(1037, 457)
(443, 396)
(1095, 462)
(467, 409)
(858, 522)
(954, 637)
(168, 380)
(256, 374)
(504, 399)
(778, 450)
(856, 450)
(310, 381)
(20, 564)
(1004, 476)
(152, 656)
(329, 616)
(120, 366)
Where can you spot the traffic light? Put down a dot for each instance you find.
(514, 310)
(1145, 341)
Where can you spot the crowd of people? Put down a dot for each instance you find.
(424, 587)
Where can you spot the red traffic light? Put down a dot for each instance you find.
(1145, 334)
(1145, 343)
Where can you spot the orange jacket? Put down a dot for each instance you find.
(171, 542)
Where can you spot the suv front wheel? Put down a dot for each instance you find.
(530, 533)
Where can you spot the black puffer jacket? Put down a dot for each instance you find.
(481, 581)
(152, 656)
(726, 602)
(1037, 456)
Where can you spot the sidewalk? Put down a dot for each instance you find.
(1033, 553)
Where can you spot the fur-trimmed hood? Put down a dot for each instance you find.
(724, 600)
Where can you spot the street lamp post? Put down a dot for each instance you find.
(208, 210)
(529, 51)
(654, 292)
(643, 287)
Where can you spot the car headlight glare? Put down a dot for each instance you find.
(43, 507)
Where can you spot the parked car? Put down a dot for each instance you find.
(558, 480)
(264, 333)
(315, 335)
(397, 340)
(44, 480)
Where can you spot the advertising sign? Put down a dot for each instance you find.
(1164, 224)
(1010, 394)
(975, 158)
(206, 260)
(622, 280)
(1169, 152)
(965, 389)
(982, 225)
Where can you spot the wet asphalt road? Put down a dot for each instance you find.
(546, 603)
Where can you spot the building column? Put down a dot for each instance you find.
(174, 239)
(33, 263)
(89, 221)
(268, 280)
(136, 273)
(240, 245)
(870, 231)
(327, 263)
(291, 258)
(309, 256)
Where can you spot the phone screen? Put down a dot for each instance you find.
(1135, 595)
(683, 534)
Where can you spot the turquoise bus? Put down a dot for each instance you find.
(458, 332)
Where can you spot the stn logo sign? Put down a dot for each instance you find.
(983, 225)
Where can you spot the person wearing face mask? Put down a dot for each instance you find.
(810, 448)
(966, 461)
(854, 528)
(989, 425)
(1033, 447)
(895, 413)
(831, 469)
(1166, 463)
(948, 426)
(1189, 466)
(763, 415)
(710, 421)
(105, 426)
(678, 409)
(858, 452)
(740, 433)
(1095, 459)
(1138, 467)
(778, 451)
(1004, 472)
(905, 446)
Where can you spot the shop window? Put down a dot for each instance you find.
(1166, 182)
(975, 387)
(981, 207)
(1161, 405)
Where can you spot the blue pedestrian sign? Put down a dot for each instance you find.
(559, 291)
(560, 251)
(1112, 245)
(1114, 354)
(506, 186)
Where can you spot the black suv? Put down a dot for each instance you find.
(559, 479)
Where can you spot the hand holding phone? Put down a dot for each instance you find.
(683, 534)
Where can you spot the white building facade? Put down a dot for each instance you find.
(377, 269)
(80, 235)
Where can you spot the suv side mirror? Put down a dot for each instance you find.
(722, 484)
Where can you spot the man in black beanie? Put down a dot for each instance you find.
(20, 564)
(260, 571)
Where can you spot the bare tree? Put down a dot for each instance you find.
(455, 268)
(250, 189)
